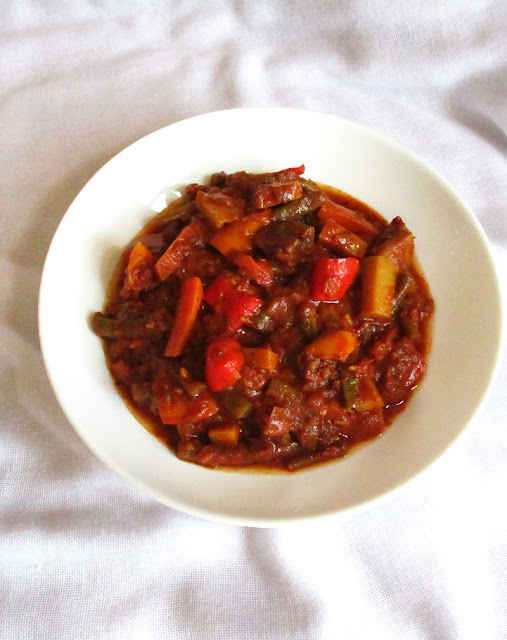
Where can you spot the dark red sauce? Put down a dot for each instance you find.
(263, 320)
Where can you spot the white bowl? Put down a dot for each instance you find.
(124, 194)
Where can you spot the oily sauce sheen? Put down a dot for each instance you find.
(267, 321)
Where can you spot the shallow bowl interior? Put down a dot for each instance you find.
(125, 194)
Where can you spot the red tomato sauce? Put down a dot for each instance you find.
(264, 320)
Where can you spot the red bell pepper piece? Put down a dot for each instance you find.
(238, 307)
(186, 313)
(259, 272)
(331, 277)
(219, 289)
(224, 361)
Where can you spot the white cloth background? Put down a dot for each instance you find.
(83, 554)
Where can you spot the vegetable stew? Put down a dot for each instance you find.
(265, 320)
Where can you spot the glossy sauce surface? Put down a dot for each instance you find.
(298, 408)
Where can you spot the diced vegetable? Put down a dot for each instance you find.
(270, 195)
(186, 313)
(140, 268)
(190, 236)
(238, 307)
(351, 220)
(238, 235)
(378, 276)
(191, 386)
(409, 323)
(396, 243)
(219, 208)
(337, 345)
(220, 288)
(259, 271)
(201, 407)
(279, 423)
(224, 434)
(331, 277)
(260, 322)
(172, 213)
(269, 371)
(298, 208)
(307, 314)
(281, 391)
(310, 325)
(261, 358)
(224, 361)
(350, 390)
(336, 237)
(361, 393)
(106, 327)
(175, 407)
(405, 283)
(309, 185)
(235, 403)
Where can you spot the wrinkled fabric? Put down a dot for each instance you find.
(85, 555)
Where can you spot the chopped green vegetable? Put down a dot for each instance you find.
(280, 391)
(405, 283)
(175, 213)
(410, 326)
(297, 208)
(336, 237)
(309, 185)
(105, 327)
(361, 393)
(350, 390)
(260, 321)
(310, 324)
(235, 403)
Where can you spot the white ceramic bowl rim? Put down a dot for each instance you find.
(119, 199)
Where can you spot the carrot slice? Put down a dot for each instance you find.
(193, 234)
(225, 434)
(263, 358)
(186, 313)
(351, 220)
(337, 345)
